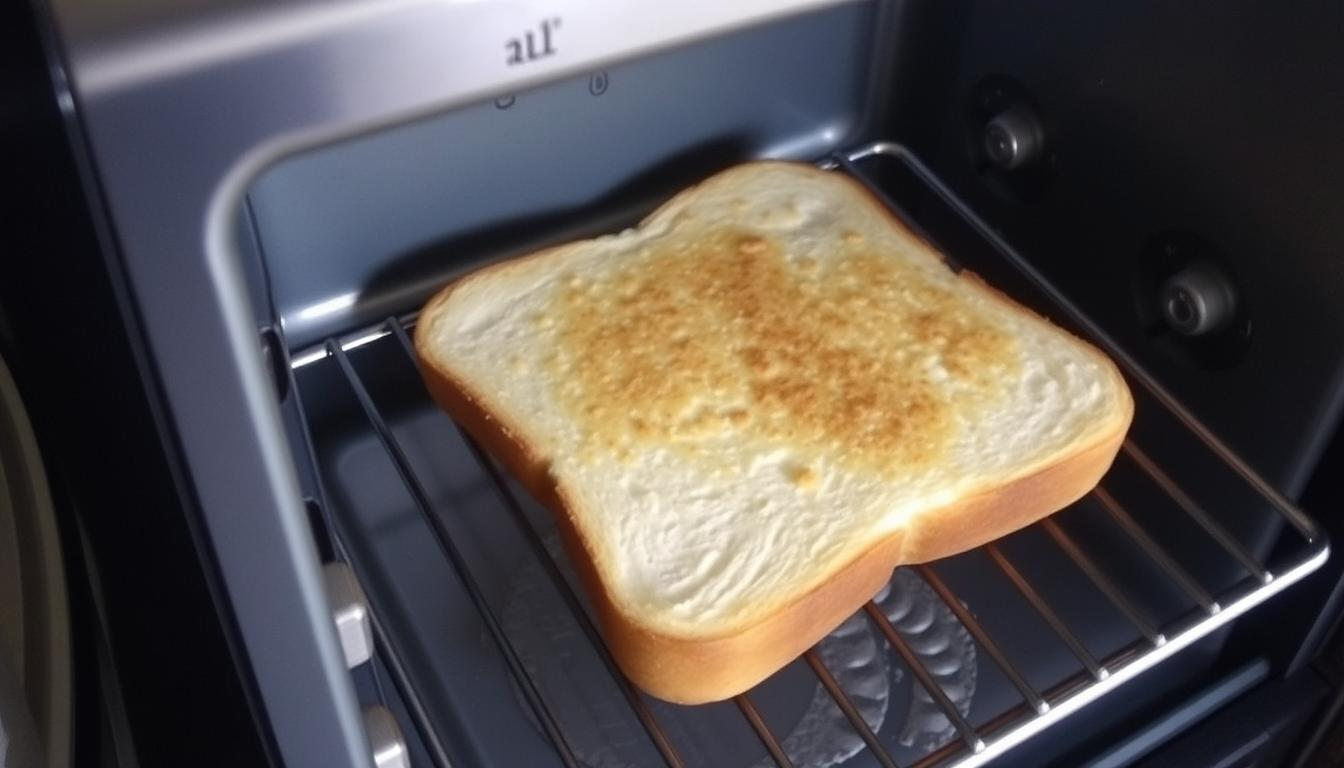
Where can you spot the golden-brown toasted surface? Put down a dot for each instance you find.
(730, 333)
(803, 352)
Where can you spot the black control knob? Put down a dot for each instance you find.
(1013, 138)
(1197, 300)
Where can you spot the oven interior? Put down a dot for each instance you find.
(482, 647)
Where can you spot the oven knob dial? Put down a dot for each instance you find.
(1197, 300)
(1013, 138)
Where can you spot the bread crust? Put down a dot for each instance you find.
(699, 669)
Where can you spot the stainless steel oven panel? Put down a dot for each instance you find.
(174, 111)
(355, 231)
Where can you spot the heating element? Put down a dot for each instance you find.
(1152, 589)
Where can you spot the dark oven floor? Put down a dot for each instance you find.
(499, 666)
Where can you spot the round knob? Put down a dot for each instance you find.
(1198, 299)
(1013, 138)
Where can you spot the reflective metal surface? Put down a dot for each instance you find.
(350, 613)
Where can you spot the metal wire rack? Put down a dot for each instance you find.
(976, 743)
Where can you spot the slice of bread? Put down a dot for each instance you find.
(747, 410)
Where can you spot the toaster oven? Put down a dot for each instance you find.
(298, 560)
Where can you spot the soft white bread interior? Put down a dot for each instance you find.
(747, 410)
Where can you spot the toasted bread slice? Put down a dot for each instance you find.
(747, 410)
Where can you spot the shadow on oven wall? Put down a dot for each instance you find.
(422, 269)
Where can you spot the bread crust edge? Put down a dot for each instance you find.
(696, 670)
(701, 669)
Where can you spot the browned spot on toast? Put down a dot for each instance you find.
(805, 478)
(727, 339)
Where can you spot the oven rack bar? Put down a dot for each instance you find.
(384, 647)
(985, 640)
(1042, 607)
(925, 677)
(978, 744)
(636, 701)
(1104, 583)
(847, 708)
(1196, 512)
(1174, 570)
(1135, 373)
(416, 489)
